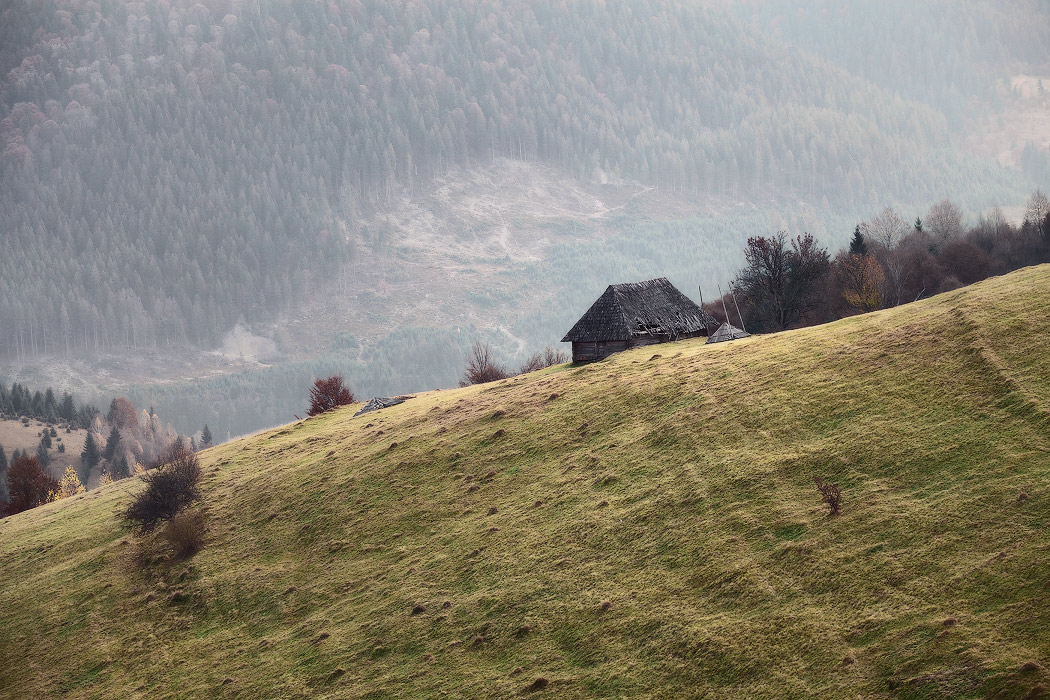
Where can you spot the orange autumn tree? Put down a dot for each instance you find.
(862, 281)
(70, 484)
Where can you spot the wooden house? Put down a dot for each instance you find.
(633, 315)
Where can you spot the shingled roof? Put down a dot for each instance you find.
(654, 307)
(727, 331)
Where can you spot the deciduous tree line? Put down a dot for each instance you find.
(789, 282)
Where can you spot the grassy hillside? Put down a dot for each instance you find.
(646, 526)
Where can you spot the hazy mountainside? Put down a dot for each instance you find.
(646, 525)
(171, 169)
(956, 57)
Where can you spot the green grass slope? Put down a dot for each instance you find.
(646, 526)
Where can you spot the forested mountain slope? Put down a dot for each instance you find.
(644, 526)
(168, 169)
(956, 57)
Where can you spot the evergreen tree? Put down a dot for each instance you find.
(67, 410)
(43, 456)
(50, 406)
(857, 244)
(91, 456)
(918, 224)
(4, 498)
(121, 468)
(111, 443)
(205, 437)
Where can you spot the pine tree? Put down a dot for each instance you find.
(121, 468)
(918, 224)
(43, 456)
(4, 498)
(50, 405)
(67, 409)
(857, 244)
(91, 456)
(205, 437)
(111, 443)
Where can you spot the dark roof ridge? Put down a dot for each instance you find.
(632, 309)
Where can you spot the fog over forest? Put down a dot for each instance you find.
(206, 206)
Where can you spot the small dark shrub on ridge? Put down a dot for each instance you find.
(169, 489)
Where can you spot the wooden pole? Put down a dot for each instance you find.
(702, 307)
(724, 309)
(738, 314)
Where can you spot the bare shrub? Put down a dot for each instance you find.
(548, 357)
(831, 494)
(482, 367)
(185, 534)
(327, 394)
(169, 489)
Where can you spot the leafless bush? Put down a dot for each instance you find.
(185, 534)
(482, 367)
(831, 494)
(548, 357)
(169, 489)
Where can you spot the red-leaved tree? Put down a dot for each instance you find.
(28, 484)
(326, 394)
(122, 414)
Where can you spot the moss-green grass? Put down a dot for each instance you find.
(677, 490)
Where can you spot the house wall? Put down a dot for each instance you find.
(591, 351)
(598, 350)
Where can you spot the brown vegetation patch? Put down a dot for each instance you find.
(185, 534)
(538, 684)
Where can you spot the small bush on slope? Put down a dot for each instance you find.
(169, 489)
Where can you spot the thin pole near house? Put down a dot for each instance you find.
(738, 314)
(706, 326)
(724, 309)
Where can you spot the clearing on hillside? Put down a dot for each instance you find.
(645, 526)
